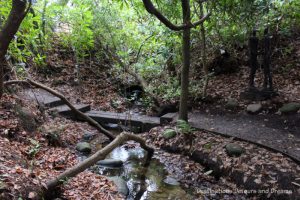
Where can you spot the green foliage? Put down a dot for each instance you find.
(168, 89)
(35, 148)
(139, 39)
(184, 127)
(27, 43)
(196, 88)
(76, 27)
(232, 20)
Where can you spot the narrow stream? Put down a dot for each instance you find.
(139, 181)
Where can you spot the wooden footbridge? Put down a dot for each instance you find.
(55, 104)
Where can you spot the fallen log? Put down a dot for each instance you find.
(99, 155)
(68, 103)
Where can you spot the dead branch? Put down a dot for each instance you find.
(77, 112)
(99, 155)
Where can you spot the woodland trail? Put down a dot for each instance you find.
(131, 120)
(279, 133)
(276, 132)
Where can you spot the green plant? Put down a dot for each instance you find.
(187, 130)
(168, 90)
(34, 148)
(184, 127)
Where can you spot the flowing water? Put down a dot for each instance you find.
(142, 182)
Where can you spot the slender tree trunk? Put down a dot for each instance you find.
(44, 17)
(205, 68)
(183, 109)
(11, 26)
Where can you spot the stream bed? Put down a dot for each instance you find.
(137, 181)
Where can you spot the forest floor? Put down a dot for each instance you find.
(28, 158)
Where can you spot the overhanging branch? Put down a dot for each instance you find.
(152, 10)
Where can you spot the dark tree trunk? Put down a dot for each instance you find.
(186, 26)
(44, 17)
(11, 26)
(203, 38)
(183, 109)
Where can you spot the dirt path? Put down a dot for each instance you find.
(280, 133)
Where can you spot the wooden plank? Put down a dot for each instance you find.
(51, 102)
(167, 118)
(43, 97)
(66, 111)
(145, 122)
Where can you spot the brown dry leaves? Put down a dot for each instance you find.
(23, 175)
(90, 186)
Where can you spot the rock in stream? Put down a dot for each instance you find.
(110, 163)
(84, 147)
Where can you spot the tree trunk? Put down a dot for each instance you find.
(10, 28)
(44, 17)
(183, 109)
(203, 38)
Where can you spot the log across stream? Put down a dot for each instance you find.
(137, 180)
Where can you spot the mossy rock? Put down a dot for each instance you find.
(290, 108)
(27, 118)
(233, 149)
(84, 147)
(169, 133)
(232, 104)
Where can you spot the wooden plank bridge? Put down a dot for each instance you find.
(143, 122)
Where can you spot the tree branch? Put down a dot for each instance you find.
(77, 112)
(99, 155)
(152, 10)
(28, 8)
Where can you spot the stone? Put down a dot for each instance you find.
(171, 181)
(234, 149)
(27, 118)
(110, 163)
(231, 104)
(84, 147)
(121, 185)
(290, 108)
(3, 186)
(169, 133)
(111, 126)
(254, 108)
(87, 136)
